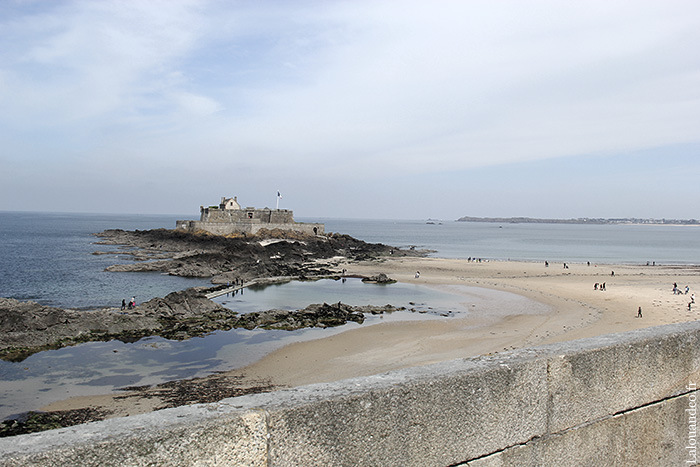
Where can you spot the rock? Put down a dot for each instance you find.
(263, 255)
(183, 304)
(28, 327)
(380, 278)
(315, 315)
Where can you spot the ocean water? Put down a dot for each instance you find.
(602, 244)
(47, 258)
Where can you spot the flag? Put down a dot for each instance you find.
(279, 195)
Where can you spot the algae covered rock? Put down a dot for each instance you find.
(380, 278)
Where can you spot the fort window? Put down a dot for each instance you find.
(250, 215)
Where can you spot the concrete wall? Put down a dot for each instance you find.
(621, 399)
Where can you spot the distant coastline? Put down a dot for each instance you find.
(580, 220)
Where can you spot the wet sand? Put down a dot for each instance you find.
(563, 305)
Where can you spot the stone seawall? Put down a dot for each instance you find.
(269, 216)
(227, 228)
(620, 399)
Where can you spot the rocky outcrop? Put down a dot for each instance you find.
(267, 254)
(183, 304)
(316, 315)
(28, 327)
(380, 278)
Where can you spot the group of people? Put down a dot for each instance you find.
(236, 282)
(131, 305)
(566, 266)
(677, 290)
(598, 286)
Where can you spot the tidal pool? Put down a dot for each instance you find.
(103, 367)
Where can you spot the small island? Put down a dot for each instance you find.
(580, 220)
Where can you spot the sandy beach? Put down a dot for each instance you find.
(565, 307)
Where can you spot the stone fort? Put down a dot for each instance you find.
(229, 217)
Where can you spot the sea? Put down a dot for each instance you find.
(48, 258)
(571, 243)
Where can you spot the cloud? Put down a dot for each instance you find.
(82, 61)
(469, 84)
(359, 89)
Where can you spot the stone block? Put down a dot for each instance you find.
(653, 435)
(436, 415)
(194, 435)
(598, 377)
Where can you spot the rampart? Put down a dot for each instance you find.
(226, 228)
(268, 216)
(220, 221)
(620, 399)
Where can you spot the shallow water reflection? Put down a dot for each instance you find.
(296, 295)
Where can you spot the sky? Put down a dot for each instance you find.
(352, 109)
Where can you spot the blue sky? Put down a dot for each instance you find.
(368, 109)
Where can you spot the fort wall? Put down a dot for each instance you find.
(251, 228)
(224, 220)
(270, 216)
(620, 399)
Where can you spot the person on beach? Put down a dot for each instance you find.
(417, 274)
(123, 304)
(687, 289)
(595, 286)
(692, 298)
(602, 287)
(612, 273)
(639, 312)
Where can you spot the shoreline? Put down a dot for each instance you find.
(575, 310)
